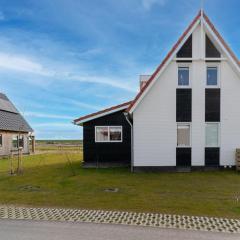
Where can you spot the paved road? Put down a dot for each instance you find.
(29, 230)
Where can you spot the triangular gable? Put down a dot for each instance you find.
(210, 27)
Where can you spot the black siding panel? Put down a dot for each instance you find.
(212, 156)
(184, 105)
(183, 157)
(212, 105)
(186, 49)
(116, 152)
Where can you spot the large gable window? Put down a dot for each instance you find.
(211, 50)
(108, 134)
(186, 50)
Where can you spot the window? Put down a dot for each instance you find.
(0, 140)
(108, 134)
(212, 105)
(211, 50)
(21, 141)
(212, 76)
(18, 141)
(212, 134)
(183, 76)
(183, 105)
(186, 49)
(183, 135)
(115, 133)
(15, 141)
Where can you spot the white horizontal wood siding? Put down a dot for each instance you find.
(154, 127)
(230, 114)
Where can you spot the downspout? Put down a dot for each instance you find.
(132, 153)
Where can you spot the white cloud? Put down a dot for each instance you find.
(46, 115)
(24, 64)
(104, 80)
(148, 4)
(27, 65)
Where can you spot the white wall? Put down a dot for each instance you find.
(230, 114)
(154, 130)
(154, 125)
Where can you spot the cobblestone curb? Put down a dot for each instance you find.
(126, 218)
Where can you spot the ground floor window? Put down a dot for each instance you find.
(212, 134)
(108, 134)
(183, 135)
(1, 142)
(18, 141)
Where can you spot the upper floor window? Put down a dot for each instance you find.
(212, 76)
(108, 134)
(183, 76)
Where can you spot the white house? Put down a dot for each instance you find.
(186, 113)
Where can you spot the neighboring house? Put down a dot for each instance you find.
(186, 114)
(14, 130)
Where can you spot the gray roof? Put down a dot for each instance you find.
(10, 118)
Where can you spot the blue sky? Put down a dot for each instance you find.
(60, 59)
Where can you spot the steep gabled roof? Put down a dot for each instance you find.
(102, 113)
(10, 118)
(200, 16)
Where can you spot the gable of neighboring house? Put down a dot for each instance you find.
(14, 129)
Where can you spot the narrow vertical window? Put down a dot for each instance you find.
(183, 76)
(212, 76)
(1, 142)
(212, 134)
(183, 135)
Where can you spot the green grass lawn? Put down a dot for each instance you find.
(49, 181)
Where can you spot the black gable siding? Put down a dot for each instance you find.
(109, 152)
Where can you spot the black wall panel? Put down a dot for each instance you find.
(184, 105)
(212, 105)
(212, 156)
(116, 152)
(183, 157)
(186, 49)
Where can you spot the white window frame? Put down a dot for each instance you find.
(108, 141)
(184, 65)
(219, 139)
(190, 139)
(213, 65)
